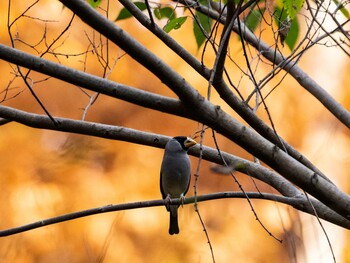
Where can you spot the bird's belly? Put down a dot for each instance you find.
(175, 185)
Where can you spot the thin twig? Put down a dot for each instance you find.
(196, 175)
(244, 192)
(322, 227)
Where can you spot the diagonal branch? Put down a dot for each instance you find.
(216, 118)
(94, 83)
(225, 92)
(149, 139)
(155, 140)
(295, 71)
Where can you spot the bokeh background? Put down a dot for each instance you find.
(45, 173)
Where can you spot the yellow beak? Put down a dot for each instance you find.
(189, 142)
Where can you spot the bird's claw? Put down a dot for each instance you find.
(167, 201)
(182, 199)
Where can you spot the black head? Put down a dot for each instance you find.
(185, 142)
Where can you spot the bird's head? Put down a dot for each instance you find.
(185, 142)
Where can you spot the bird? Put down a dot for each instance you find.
(175, 175)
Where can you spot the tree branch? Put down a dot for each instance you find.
(224, 91)
(298, 203)
(149, 139)
(94, 83)
(290, 67)
(113, 89)
(214, 117)
(130, 135)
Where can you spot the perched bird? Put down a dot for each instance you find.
(175, 175)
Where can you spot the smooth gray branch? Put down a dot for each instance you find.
(94, 83)
(192, 104)
(295, 202)
(333, 106)
(213, 116)
(150, 139)
(130, 135)
(225, 92)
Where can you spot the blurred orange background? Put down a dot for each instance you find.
(45, 173)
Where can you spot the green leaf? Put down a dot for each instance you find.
(95, 3)
(165, 12)
(204, 25)
(293, 7)
(124, 13)
(254, 18)
(279, 14)
(175, 23)
(342, 9)
(291, 35)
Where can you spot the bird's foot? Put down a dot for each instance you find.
(167, 201)
(182, 199)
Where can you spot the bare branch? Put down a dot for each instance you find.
(94, 83)
(155, 140)
(226, 94)
(200, 109)
(295, 71)
(152, 203)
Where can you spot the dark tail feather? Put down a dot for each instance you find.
(174, 226)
